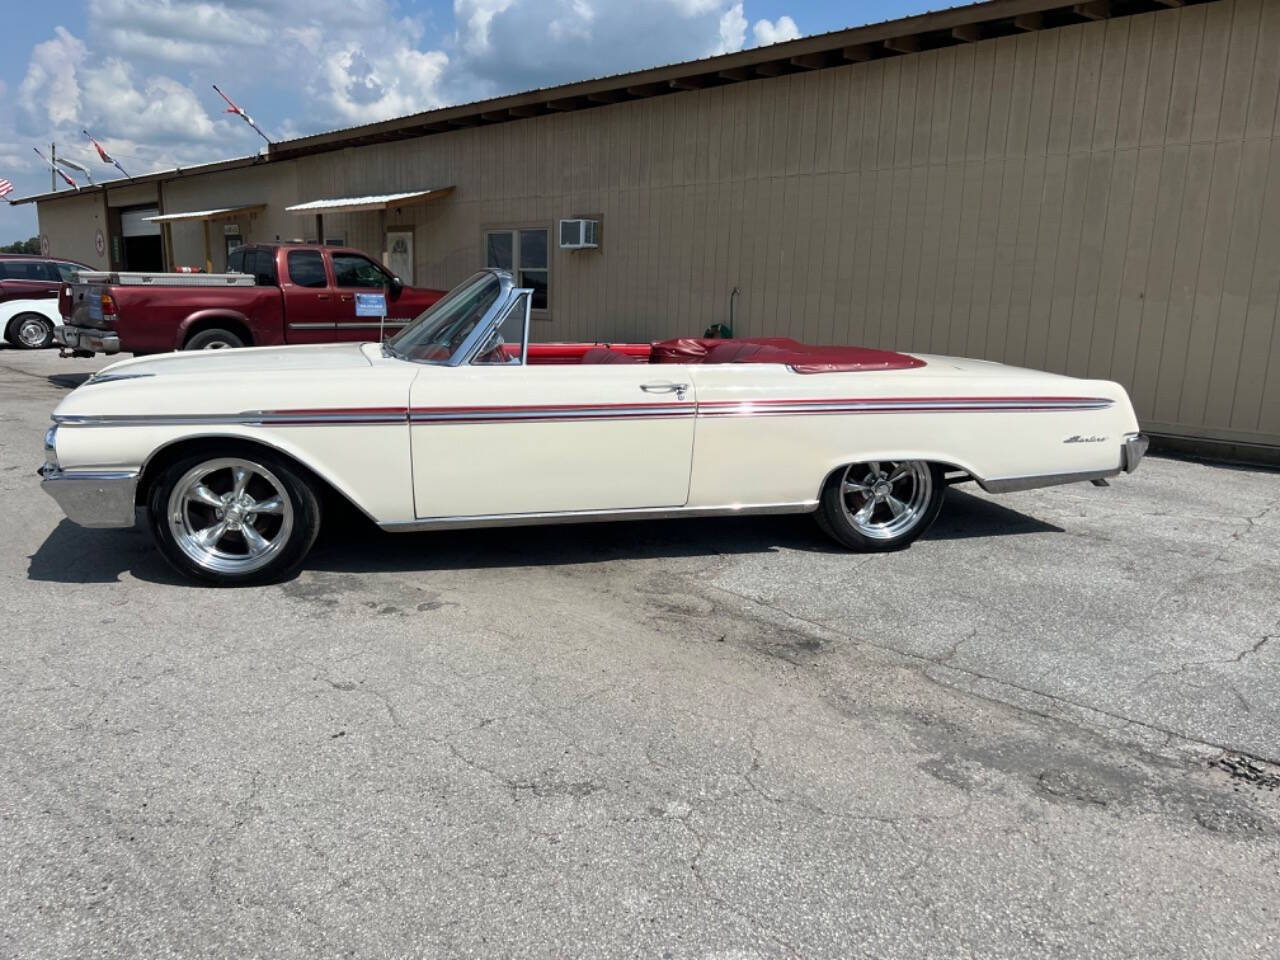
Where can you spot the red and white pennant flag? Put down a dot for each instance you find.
(6, 188)
(102, 152)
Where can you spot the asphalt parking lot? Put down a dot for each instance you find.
(1050, 728)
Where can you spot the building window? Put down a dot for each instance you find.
(526, 254)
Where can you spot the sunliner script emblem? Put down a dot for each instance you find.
(1079, 439)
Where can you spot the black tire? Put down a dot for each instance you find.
(214, 338)
(15, 334)
(275, 475)
(923, 485)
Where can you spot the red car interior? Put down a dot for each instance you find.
(801, 357)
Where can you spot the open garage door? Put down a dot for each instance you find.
(143, 247)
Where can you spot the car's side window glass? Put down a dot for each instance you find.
(262, 264)
(235, 261)
(352, 270)
(506, 344)
(306, 268)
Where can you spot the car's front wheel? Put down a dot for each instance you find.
(30, 331)
(240, 519)
(881, 504)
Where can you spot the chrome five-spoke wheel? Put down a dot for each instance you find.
(230, 515)
(881, 504)
(234, 519)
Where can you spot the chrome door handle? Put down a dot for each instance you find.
(677, 388)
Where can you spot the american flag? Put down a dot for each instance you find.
(6, 188)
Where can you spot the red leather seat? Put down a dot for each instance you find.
(608, 355)
(801, 357)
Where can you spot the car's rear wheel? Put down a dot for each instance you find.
(881, 504)
(30, 331)
(234, 520)
(214, 339)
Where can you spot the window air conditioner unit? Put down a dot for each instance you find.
(579, 234)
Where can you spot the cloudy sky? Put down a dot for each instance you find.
(137, 73)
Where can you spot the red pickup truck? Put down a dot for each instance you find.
(300, 293)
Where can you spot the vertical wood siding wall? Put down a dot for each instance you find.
(1100, 199)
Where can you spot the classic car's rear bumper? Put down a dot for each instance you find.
(97, 498)
(1134, 449)
(90, 339)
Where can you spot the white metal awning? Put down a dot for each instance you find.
(218, 213)
(384, 201)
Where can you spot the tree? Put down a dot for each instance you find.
(22, 246)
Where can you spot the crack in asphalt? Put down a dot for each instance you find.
(927, 662)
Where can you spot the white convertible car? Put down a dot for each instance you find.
(458, 421)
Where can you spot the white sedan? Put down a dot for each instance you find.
(29, 324)
(458, 421)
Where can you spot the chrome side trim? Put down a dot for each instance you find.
(255, 418)
(348, 325)
(93, 498)
(543, 414)
(1013, 484)
(113, 377)
(595, 516)
(747, 408)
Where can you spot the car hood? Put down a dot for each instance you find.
(323, 356)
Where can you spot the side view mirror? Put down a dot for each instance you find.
(396, 286)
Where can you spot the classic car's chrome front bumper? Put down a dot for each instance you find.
(92, 498)
(91, 339)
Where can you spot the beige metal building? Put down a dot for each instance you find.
(1091, 188)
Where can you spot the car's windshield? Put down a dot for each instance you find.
(437, 335)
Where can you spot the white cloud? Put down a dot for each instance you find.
(50, 89)
(404, 81)
(733, 31)
(139, 74)
(474, 18)
(778, 32)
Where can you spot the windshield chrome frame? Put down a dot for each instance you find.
(507, 290)
(462, 355)
(508, 297)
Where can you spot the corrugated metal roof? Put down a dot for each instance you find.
(380, 201)
(219, 213)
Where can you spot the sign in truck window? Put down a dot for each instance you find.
(371, 304)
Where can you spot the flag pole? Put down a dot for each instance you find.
(58, 171)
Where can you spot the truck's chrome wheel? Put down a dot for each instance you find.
(885, 499)
(230, 516)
